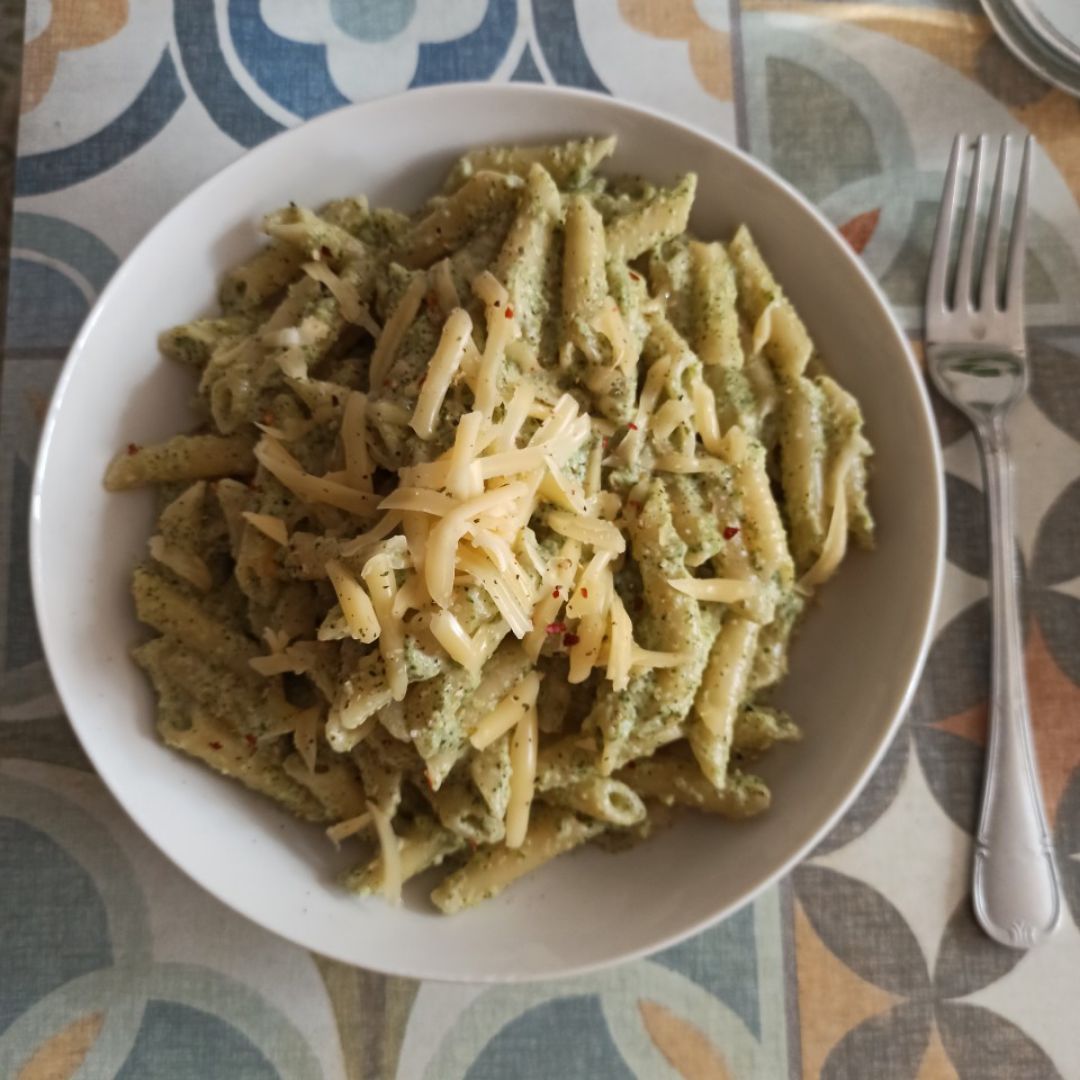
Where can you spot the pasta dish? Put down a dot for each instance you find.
(499, 520)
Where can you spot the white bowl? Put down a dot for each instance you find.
(854, 665)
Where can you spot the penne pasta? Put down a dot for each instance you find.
(499, 523)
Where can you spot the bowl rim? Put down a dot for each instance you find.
(525, 92)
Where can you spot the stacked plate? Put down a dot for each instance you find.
(1044, 34)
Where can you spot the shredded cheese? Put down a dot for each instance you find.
(717, 590)
(705, 419)
(499, 587)
(440, 561)
(418, 500)
(287, 337)
(378, 575)
(502, 328)
(349, 827)
(333, 627)
(508, 712)
(456, 331)
(292, 661)
(360, 544)
(556, 594)
(306, 735)
(453, 637)
(389, 340)
(517, 412)
(390, 853)
(530, 548)
(317, 489)
(835, 546)
(358, 471)
(523, 754)
(585, 653)
(356, 606)
(620, 651)
(557, 488)
(592, 595)
(269, 525)
(609, 322)
(488, 638)
(601, 535)
(442, 281)
(463, 476)
(345, 294)
(416, 528)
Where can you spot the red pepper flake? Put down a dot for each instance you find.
(215, 745)
(635, 506)
(509, 313)
(570, 639)
(420, 382)
(132, 449)
(251, 741)
(604, 441)
(555, 593)
(730, 531)
(584, 592)
(267, 417)
(634, 275)
(556, 628)
(632, 426)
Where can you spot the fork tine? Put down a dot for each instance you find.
(939, 260)
(1014, 268)
(989, 293)
(962, 291)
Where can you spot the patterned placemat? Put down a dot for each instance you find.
(864, 963)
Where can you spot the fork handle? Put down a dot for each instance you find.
(1015, 889)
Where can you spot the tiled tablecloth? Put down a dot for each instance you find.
(866, 962)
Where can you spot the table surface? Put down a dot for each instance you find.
(866, 961)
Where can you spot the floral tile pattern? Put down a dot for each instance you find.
(866, 962)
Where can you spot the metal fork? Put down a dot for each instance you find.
(978, 361)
